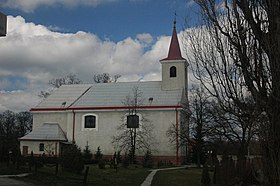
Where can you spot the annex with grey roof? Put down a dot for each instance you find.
(47, 132)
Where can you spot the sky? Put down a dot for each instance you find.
(49, 39)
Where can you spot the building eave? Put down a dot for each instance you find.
(153, 107)
(56, 140)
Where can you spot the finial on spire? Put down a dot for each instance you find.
(175, 16)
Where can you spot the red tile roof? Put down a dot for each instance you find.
(174, 48)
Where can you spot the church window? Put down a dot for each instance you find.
(173, 72)
(41, 147)
(89, 121)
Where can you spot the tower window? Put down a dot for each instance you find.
(173, 72)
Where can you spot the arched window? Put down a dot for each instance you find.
(89, 121)
(173, 72)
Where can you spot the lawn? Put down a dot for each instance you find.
(130, 176)
(133, 175)
(178, 177)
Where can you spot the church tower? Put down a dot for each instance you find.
(174, 66)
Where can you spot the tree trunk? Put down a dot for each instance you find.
(272, 145)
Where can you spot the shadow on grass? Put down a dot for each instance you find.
(131, 176)
(179, 177)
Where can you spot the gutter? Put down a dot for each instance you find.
(177, 136)
(73, 130)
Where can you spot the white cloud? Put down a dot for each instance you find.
(32, 54)
(31, 5)
(56, 28)
(190, 3)
(17, 101)
(145, 38)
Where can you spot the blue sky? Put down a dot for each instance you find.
(114, 20)
(49, 39)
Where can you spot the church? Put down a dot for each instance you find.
(91, 114)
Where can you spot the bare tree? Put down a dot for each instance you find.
(246, 33)
(200, 122)
(105, 78)
(56, 83)
(12, 126)
(24, 123)
(8, 134)
(214, 65)
(195, 134)
(136, 134)
(49, 148)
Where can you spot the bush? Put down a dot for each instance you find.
(115, 161)
(101, 164)
(98, 155)
(125, 161)
(205, 177)
(87, 155)
(148, 161)
(72, 159)
(119, 157)
(160, 163)
(31, 160)
(21, 160)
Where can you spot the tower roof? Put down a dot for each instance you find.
(174, 47)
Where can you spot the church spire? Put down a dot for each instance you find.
(174, 47)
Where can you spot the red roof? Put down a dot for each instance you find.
(174, 48)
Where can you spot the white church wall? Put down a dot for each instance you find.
(162, 120)
(106, 128)
(107, 123)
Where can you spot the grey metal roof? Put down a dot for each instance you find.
(48, 131)
(110, 95)
(64, 96)
(114, 94)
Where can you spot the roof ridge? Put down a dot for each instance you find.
(80, 96)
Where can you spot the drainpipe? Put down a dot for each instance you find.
(55, 152)
(177, 136)
(73, 131)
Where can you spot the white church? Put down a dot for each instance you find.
(90, 114)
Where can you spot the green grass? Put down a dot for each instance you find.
(130, 176)
(178, 177)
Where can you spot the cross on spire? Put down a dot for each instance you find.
(175, 16)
